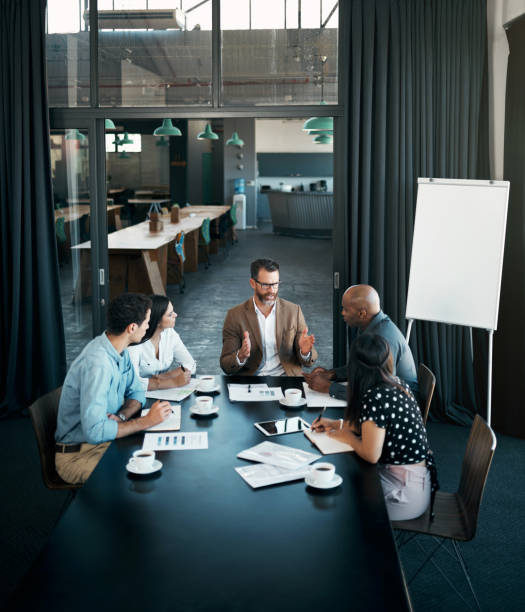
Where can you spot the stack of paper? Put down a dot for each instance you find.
(315, 399)
(277, 463)
(254, 393)
(179, 441)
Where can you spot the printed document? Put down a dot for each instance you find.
(172, 423)
(279, 455)
(175, 394)
(254, 393)
(179, 441)
(262, 474)
(316, 399)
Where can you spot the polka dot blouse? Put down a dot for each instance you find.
(400, 416)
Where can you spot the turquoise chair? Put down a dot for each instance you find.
(204, 241)
(176, 264)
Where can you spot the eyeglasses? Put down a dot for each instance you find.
(268, 285)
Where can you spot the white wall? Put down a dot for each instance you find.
(286, 136)
(499, 12)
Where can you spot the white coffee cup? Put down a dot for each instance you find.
(204, 403)
(207, 382)
(322, 473)
(143, 460)
(293, 396)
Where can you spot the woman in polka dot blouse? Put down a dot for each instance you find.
(383, 424)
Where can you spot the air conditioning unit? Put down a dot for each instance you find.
(155, 19)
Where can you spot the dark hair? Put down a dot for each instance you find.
(370, 364)
(125, 309)
(159, 305)
(268, 264)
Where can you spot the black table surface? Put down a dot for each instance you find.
(195, 536)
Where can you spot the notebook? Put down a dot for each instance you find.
(326, 444)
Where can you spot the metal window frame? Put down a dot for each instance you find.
(92, 118)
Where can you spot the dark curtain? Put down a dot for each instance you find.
(417, 107)
(32, 335)
(509, 340)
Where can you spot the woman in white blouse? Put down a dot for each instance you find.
(160, 348)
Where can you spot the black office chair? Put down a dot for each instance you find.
(44, 418)
(456, 514)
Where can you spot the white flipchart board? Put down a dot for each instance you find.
(457, 252)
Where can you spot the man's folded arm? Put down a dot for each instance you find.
(96, 425)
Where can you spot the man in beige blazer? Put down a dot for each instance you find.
(265, 335)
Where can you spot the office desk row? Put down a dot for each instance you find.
(196, 537)
(138, 258)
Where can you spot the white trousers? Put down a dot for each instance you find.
(406, 489)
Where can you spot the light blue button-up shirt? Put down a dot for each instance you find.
(97, 384)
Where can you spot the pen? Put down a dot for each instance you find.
(318, 418)
(182, 368)
(249, 388)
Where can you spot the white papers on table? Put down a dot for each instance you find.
(279, 455)
(172, 423)
(316, 399)
(262, 474)
(254, 393)
(179, 441)
(326, 444)
(175, 394)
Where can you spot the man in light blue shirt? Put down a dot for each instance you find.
(101, 392)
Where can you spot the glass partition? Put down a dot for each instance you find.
(278, 52)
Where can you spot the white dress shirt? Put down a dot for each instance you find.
(270, 364)
(171, 349)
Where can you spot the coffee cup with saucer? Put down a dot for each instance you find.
(322, 476)
(293, 398)
(207, 384)
(204, 406)
(143, 462)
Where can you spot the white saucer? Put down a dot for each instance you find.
(157, 465)
(199, 412)
(335, 482)
(283, 402)
(212, 390)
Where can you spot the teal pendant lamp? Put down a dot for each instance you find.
(167, 129)
(163, 142)
(117, 141)
(75, 135)
(323, 139)
(126, 139)
(235, 141)
(319, 124)
(123, 155)
(208, 134)
(109, 125)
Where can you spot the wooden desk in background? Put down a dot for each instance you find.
(138, 258)
(76, 211)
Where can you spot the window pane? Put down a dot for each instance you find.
(67, 50)
(264, 63)
(154, 56)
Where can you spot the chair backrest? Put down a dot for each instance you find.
(474, 471)
(179, 246)
(60, 229)
(205, 230)
(44, 417)
(426, 382)
(233, 213)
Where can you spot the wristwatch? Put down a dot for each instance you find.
(122, 417)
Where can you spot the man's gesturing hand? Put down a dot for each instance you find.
(306, 342)
(246, 347)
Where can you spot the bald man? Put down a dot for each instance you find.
(361, 308)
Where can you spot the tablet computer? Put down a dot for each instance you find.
(283, 426)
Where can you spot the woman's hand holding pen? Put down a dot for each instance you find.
(322, 424)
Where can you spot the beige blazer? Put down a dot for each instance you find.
(289, 325)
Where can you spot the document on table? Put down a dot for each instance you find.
(254, 393)
(263, 475)
(326, 444)
(279, 455)
(172, 423)
(175, 394)
(315, 399)
(179, 441)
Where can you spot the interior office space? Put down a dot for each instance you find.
(381, 127)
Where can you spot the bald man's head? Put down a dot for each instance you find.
(360, 305)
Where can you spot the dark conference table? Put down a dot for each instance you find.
(197, 537)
